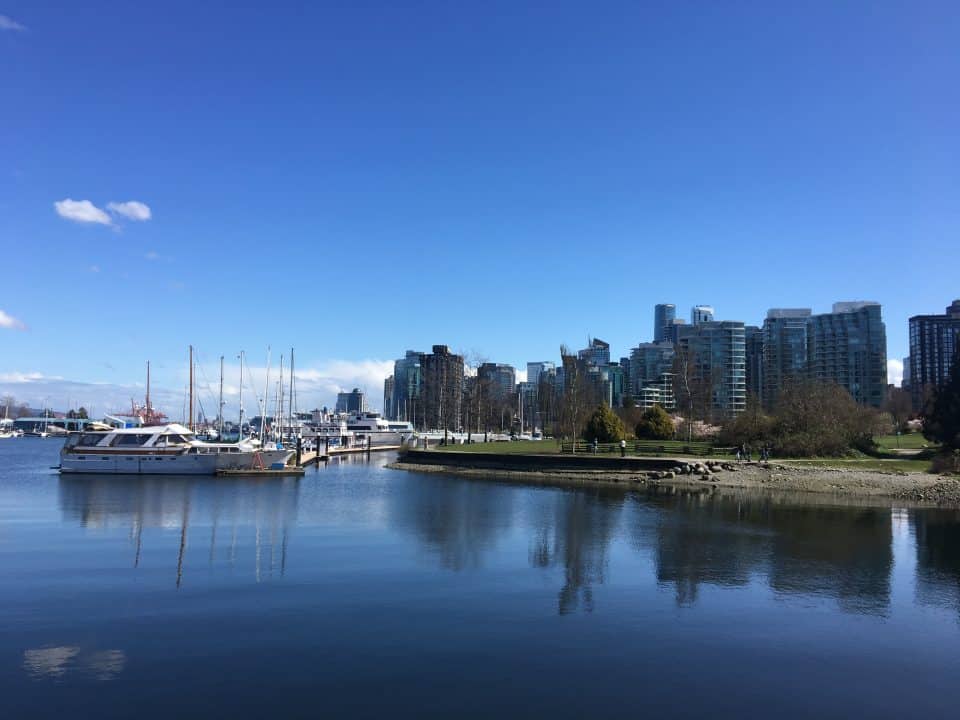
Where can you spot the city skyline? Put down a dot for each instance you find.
(501, 179)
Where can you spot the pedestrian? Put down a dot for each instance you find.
(594, 446)
(623, 448)
(739, 457)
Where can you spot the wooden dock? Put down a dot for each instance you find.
(290, 470)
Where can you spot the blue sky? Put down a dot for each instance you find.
(361, 178)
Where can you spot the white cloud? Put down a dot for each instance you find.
(152, 255)
(9, 322)
(81, 211)
(895, 372)
(8, 23)
(132, 210)
(19, 378)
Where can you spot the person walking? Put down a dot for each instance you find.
(623, 448)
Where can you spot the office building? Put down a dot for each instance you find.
(784, 350)
(753, 340)
(663, 316)
(711, 370)
(441, 389)
(934, 340)
(701, 314)
(596, 354)
(351, 402)
(407, 380)
(849, 347)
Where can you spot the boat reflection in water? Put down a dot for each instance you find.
(230, 516)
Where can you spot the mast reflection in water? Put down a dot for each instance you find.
(250, 518)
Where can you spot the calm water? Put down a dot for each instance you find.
(363, 591)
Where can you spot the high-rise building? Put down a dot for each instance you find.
(663, 316)
(498, 382)
(784, 350)
(648, 361)
(753, 340)
(701, 314)
(351, 402)
(849, 347)
(711, 369)
(672, 330)
(535, 368)
(389, 411)
(441, 389)
(597, 353)
(934, 343)
(407, 381)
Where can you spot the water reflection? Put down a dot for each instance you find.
(573, 531)
(55, 662)
(843, 553)
(454, 520)
(937, 535)
(229, 508)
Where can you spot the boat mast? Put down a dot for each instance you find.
(148, 413)
(266, 398)
(292, 380)
(221, 399)
(240, 429)
(190, 424)
(280, 399)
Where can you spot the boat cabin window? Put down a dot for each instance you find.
(130, 440)
(90, 439)
(170, 440)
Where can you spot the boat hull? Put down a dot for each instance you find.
(119, 464)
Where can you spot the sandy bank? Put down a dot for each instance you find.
(907, 488)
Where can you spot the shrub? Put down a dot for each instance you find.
(604, 426)
(655, 424)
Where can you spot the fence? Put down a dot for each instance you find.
(654, 448)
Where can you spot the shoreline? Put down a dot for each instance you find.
(877, 487)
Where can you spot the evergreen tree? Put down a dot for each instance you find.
(604, 426)
(655, 424)
(942, 422)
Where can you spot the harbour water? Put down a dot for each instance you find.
(361, 591)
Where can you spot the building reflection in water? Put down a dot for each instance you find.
(844, 553)
(573, 531)
(937, 534)
(457, 520)
(230, 507)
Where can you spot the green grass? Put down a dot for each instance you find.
(899, 465)
(531, 447)
(912, 441)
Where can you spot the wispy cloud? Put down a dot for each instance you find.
(8, 23)
(895, 372)
(81, 211)
(132, 210)
(8, 322)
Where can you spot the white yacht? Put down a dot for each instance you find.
(160, 450)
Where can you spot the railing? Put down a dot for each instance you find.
(654, 448)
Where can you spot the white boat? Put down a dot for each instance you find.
(159, 450)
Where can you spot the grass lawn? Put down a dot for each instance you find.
(898, 465)
(530, 447)
(911, 441)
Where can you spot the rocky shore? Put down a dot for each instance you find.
(711, 475)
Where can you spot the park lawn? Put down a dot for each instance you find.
(910, 441)
(529, 447)
(898, 465)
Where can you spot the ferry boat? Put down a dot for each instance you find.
(160, 450)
